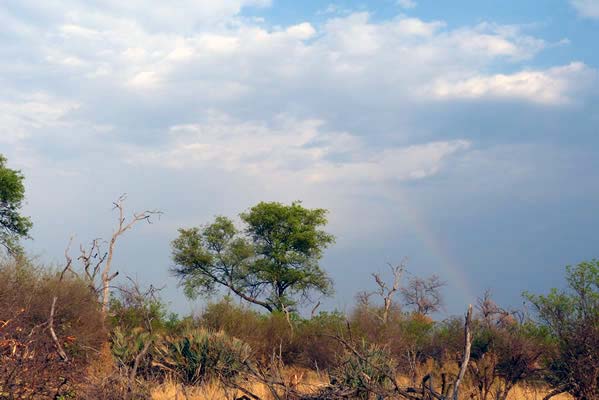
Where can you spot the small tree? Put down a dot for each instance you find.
(271, 263)
(572, 317)
(423, 295)
(12, 192)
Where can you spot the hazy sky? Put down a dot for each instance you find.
(462, 135)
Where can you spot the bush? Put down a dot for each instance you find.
(313, 345)
(306, 343)
(30, 366)
(368, 371)
(200, 355)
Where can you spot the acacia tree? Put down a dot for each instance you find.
(273, 262)
(12, 192)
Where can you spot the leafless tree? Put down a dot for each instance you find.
(96, 264)
(122, 227)
(424, 295)
(386, 291)
(494, 315)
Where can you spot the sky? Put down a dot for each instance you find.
(461, 136)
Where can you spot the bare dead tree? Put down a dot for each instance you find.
(122, 227)
(424, 295)
(386, 291)
(96, 263)
(494, 315)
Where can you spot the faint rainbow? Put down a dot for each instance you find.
(432, 243)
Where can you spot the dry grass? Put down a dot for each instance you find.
(306, 381)
(531, 393)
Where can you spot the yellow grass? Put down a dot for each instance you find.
(303, 380)
(306, 381)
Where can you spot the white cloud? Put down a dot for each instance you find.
(407, 3)
(302, 31)
(300, 150)
(587, 8)
(152, 15)
(552, 86)
(25, 115)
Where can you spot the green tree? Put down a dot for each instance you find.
(273, 262)
(12, 224)
(572, 317)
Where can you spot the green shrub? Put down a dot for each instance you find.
(200, 355)
(369, 370)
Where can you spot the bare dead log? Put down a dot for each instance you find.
(466, 356)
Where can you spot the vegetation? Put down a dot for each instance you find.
(271, 263)
(13, 225)
(61, 338)
(572, 318)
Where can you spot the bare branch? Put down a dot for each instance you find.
(424, 295)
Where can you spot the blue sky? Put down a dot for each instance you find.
(461, 135)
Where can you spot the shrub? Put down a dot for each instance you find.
(200, 355)
(369, 369)
(30, 366)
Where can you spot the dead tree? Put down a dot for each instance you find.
(122, 227)
(424, 295)
(385, 290)
(96, 264)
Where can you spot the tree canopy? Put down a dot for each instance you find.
(273, 262)
(12, 192)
